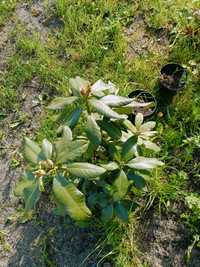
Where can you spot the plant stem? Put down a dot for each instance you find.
(88, 107)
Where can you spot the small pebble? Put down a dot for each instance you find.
(35, 12)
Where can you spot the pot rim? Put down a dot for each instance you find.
(173, 63)
(150, 95)
(173, 88)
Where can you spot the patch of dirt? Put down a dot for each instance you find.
(10, 147)
(33, 18)
(6, 44)
(165, 241)
(141, 41)
(13, 128)
(50, 242)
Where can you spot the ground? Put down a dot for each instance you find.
(42, 45)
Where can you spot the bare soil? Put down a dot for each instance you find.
(165, 240)
(141, 41)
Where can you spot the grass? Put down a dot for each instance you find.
(89, 41)
(6, 9)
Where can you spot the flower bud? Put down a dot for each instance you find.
(40, 173)
(85, 91)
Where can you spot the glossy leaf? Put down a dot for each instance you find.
(152, 146)
(32, 151)
(128, 109)
(67, 134)
(27, 180)
(100, 88)
(111, 128)
(68, 195)
(111, 166)
(92, 200)
(114, 152)
(142, 163)
(128, 146)
(107, 213)
(138, 180)
(120, 185)
(73, 117)
(115, 101)
(124, 110)
(85, 170)
(70, 150)
(47, 149)
(135, 104)
(93, 131)
(31, 196)
(147, 126)
(139, 120)
(61, 102)
(130, 126)
(121, 212)
(105, 110)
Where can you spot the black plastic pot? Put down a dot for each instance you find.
(173, 77)
(143, 97)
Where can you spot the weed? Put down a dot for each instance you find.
(6, 8)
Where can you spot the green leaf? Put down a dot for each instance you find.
(124, 110)
(31, 196)
(47, 149)
(31, 151)
(138, 180)
(105, 110)
(130, 126)
(129, 109)
(120, 185)
(61, 102)
(73, 117)
(67, 133)
(77, 84)
(92, 200)
(127, 147)
(26, 181)
(111, 166)
(115, 101)
(114, 152)
(100, 88)
(142, 163)
(103, 199)
(85, 170)
(107, 213)
(139, 120)
(121, 212)
(90, 152)
(152, 146)
(111, 128)
(93, 131)
(68, 195)
(70, 150)
(147, 126)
